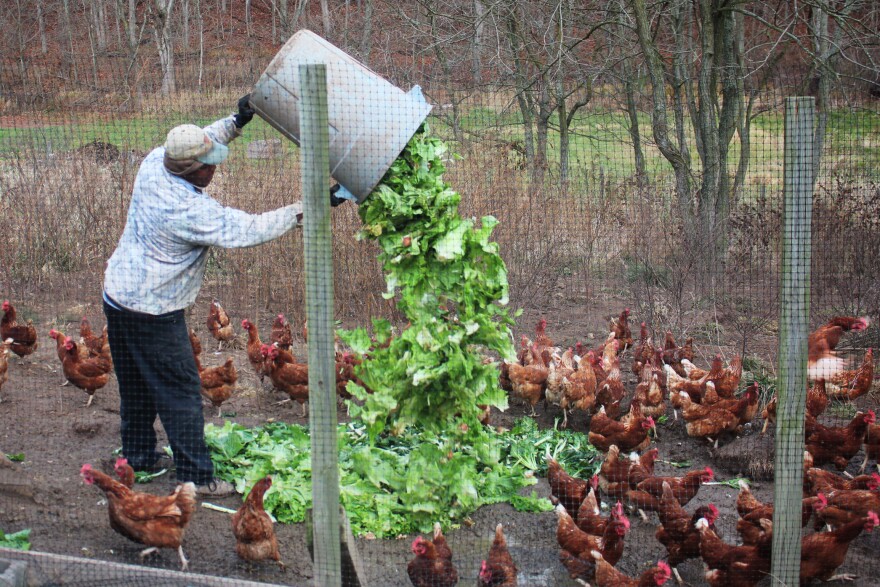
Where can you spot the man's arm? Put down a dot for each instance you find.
(203, 221)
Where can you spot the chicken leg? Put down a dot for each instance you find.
(184, 562)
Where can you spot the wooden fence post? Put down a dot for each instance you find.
(794, 316)
(317, 240)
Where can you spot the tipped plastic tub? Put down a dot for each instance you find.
(371, 120)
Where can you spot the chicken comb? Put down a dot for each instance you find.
(86, 467)
(618, 509)
(821, 502)
(665, 569)
(709, 472)
(714, 511)
(245, 323)
(120, 462)
(280, 317)
(873, 520)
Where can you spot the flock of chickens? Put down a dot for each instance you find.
(87, 363)
(575, 379)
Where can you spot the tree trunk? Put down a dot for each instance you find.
(659, 124)
(367, 38)
(69, 58)
(99, 20)
(162, 10)
(629, 88)
(476, 43)
(92, 49)
(184, 25)
(41, 23)
(325, 17)
(247, 18)
(132, 25)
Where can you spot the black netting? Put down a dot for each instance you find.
(591, 274)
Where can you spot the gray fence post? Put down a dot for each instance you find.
(794, 316)
(317, 240)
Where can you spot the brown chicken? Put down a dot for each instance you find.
(254, 535)
(579, 544)
(97, 346)
(751, 511)
(542, 341)
(821, 481)
(608, 576)
(219, 324)
(528, 382)
(675, 385)
(610, 392)
(498, 570)
(872, 446)
(817, 402)
(822, 359)
(677, 531)
(280, 333)
(89, 375)
(618, 476)
(643, 351)
(4, 362)
(24, 336)
(218, 382)
(728, 379)
(609, 355)
(854, 384)
(155, 521)
(569, 491)
(650, 395)
(290, 377)
(124, 472)
(432, 566)
(669, 353)
(734, 566)
(255, 357)
(59, 339)
(840, 506)
(621, 330)
(822, 553)
(605, 431)
(578, 392)
(558, 369)
(706, 421)
(649, 493)
(589, 516)
(838, 445)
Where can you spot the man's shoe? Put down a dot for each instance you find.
(162, 461)
(215, 488)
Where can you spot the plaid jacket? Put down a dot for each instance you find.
(160, 260)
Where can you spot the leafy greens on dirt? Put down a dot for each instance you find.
(382, 494)
(20, 540)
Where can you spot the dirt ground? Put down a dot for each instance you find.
(57, 434)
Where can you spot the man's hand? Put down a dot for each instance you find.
(245, 112)
(334, 201)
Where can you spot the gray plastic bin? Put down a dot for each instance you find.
(371, 120)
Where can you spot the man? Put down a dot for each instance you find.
(155, 272)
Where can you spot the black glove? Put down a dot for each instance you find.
(334, 201)
(245, 112)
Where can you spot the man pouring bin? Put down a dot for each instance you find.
(156, 272)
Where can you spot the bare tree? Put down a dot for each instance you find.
(161, 18)
(41, 23)
(325, 17)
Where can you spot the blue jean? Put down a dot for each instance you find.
(157, 376)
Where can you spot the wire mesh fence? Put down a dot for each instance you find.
(541, 303)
